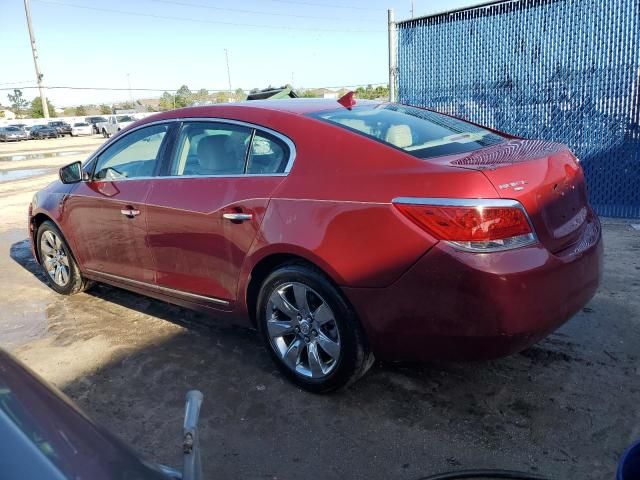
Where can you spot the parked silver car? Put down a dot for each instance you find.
(12, 134)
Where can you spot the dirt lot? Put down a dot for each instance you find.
(566, 408)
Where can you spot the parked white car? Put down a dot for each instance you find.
(81, 128)
(114, 124)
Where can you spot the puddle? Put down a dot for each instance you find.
(37, 156)
(21, 174)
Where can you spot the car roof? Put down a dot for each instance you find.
(300, 106)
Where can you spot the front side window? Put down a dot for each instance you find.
(132, 156)
(421, 133)
(208, 148)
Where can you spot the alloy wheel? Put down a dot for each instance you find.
(55, 259)
(303, 330)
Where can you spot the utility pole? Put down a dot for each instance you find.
(43, 96)
(393, 52)
(226, 53)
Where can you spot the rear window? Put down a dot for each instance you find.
(421, 133)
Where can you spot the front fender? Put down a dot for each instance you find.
(49, 202)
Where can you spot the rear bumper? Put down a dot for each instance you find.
(459, 305)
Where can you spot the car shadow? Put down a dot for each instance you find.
(203, 323)
(20, 252)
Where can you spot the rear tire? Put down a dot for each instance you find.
(312, 334)
(60, 267)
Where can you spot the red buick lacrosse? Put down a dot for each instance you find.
(339, 232)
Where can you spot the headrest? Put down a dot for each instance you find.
(210, 151)
(399, 136)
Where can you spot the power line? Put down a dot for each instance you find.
(17, 83)
(259, 12)
(119, 89)
(312, 4)
(201, 20)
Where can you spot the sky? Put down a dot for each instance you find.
(163, 44)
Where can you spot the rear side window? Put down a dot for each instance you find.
(208, 148)
(421, 133)
(267, 154)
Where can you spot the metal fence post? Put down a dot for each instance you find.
(393, 56)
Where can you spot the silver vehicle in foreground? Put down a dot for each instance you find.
(43, 436)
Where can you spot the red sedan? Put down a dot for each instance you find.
(338, 232)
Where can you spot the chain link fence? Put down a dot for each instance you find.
(562, 70)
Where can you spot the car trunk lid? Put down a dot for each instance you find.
(545, 177)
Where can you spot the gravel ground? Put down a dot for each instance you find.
(565, 408)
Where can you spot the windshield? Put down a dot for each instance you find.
(125, 119)
(12, 129)
(421, 133)
(80, 124)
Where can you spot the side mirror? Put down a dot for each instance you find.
(71, 173)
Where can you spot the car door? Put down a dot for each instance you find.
(203, 216)
(106, 215)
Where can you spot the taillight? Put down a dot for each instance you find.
(479, 225)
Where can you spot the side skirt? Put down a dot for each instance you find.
(183, 299)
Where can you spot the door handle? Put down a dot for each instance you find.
(130, 212)
(237, 217)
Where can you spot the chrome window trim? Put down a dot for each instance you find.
(285, 139)
(280, 136)
(178, 177)
(472, 202)
(159, 288)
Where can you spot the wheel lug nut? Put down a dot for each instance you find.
(314, 333)
(306, 339)
(297, 329)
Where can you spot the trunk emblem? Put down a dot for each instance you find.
(517, 185)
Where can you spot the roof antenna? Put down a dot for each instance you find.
(348, 100)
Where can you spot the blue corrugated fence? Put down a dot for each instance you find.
(562, 70)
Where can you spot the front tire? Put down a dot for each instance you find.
(60, 267)
(310, 331)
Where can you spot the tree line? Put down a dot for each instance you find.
(33, 109)
(183, 97)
